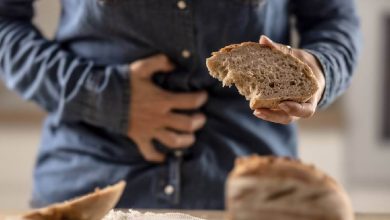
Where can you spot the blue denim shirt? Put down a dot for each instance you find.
(81, 79)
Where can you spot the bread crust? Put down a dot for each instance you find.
(93, 206)
(283, 188)
(280, 167)
(259, 102)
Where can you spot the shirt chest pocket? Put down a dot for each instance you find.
(130, 16)
(133, 4)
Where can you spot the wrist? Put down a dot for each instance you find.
(314, 63)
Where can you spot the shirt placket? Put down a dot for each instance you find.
(170, 189)
(185, 28)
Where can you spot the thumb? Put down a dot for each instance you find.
(264, 40)
(152, 65)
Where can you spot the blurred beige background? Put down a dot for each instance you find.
(342, 140)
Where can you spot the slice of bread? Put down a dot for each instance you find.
(93, 206)
(264, 188)
(264, 75)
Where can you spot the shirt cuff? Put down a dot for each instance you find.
(105, 99)
(124, 111)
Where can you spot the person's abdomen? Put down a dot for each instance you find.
(79, 157)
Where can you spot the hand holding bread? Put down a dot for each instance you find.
(289, 110)
(281, 83)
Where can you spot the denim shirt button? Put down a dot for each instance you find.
(181, 4)
(186, 54)
(178, 153)
(169, 190)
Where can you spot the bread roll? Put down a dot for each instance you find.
(264, 75)
(265, 188)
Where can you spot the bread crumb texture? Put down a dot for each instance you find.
(264, 75)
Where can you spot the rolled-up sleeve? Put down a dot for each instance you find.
(67, 86)
(330, 30)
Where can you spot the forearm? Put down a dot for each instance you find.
(67, 86)
(330, 31)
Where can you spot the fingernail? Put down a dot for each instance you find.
(268, 39)
(258, 114)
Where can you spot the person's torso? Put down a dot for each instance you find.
(121, 31)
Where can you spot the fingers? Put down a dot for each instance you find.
(146, 68)
(289, 112)
(268, 42)
(302, 110)
(187, 101)
(276, 116)
(185, 123)
(150, 153)
(174, 140)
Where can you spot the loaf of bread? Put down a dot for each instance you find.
(93, 206)
(264, 75)
(264, 188)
